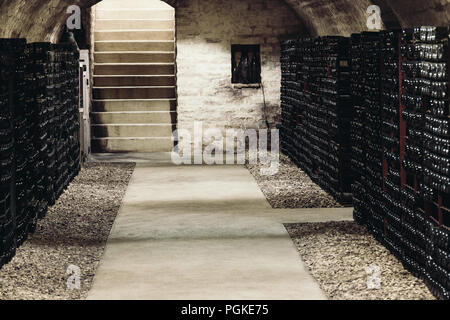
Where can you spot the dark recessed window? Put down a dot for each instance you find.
(245, 63)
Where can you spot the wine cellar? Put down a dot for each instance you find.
(225, 150)
(39, 133)
(390, 100)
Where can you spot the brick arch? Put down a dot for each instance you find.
(36, 20)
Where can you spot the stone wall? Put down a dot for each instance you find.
(205, 32)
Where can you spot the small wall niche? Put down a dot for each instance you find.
(246, 64)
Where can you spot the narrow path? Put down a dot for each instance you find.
(203, 232)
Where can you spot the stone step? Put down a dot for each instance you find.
(132, 130)
(134, 68)
(133, 14)
(117, 145)
(168, 45)
(144, 4)
(134, 57)
(134, 105)
(130, 117)
(142, 24)
(133, 92)
(134, 35)
(134, 81)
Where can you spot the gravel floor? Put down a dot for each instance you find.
(338, 253)
(291, 187)
(74, 232)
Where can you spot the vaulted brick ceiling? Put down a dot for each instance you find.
(343, 17)
(43, 19)
(37, 20)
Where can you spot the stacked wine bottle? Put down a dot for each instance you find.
(8, 240)
(425, 52)
(37, 54)
(289, 96)
(40, 104)
(316, 111)
(25, 152)
(373, 177)
(399, 135)
(314, 127)
(402, 196)
(66, 117)
(392, 135)
(303, 148)
(358, 142)
(335, 101)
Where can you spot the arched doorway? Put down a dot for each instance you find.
(134, 86)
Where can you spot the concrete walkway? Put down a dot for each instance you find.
(203, 232)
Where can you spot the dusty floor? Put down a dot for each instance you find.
(291, 187)
(74, 232)
(338, 253)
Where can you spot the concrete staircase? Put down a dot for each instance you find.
(134, 100)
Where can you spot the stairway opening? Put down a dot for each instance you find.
(134, 84)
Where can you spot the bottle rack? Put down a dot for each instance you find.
(425, 53)
(316, 110)
(39, 156)
(335, 103)
(409, 215)
(302, 149)
(372, 177)
(8, 240)
(399, 135)
(357, 135)
(24, 150)
(289, 94)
